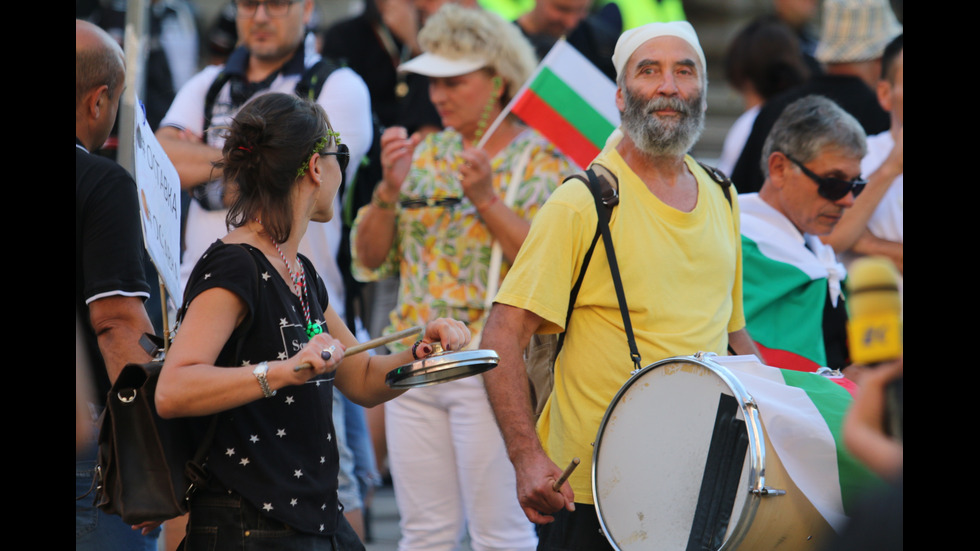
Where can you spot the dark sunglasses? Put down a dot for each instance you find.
(831, 188)
(274, 8)
(343, 156)
(429, 202)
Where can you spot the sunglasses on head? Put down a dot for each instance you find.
(832, 188)
(343, 156)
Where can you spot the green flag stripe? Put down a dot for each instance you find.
(832, 401)
(579, 113)
(778, 302)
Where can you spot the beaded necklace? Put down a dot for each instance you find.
(299, 288)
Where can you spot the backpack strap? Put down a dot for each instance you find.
(210, 98)
(605, 194)
(721, 179)
(309, 86)
(605, 213)
(311, 83)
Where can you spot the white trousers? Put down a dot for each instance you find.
(450, 469)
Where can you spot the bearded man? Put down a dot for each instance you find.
(676, 239)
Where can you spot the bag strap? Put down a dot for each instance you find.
(722, 180)
(210, 98)
(605, 213)
(309, 86)
(607, 183)
(606, 194)
(601, 183)
(496, 252)
(313, 79)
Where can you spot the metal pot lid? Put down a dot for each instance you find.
(442, 368)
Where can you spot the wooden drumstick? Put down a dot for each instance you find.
(373, 343)
(564, 476)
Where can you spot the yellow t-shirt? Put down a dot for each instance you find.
(682, 277)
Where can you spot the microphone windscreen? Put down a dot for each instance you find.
(875, 326)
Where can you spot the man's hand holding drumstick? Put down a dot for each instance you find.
(565, 474)
(537, 476)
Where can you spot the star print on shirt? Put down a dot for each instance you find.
(230, 452)
(298, 473)
(267, 506)
(207, 276)
(281, 433)
(321, 528)
(329, 437)
(244, 461)
(290, 400)
(282, 356)
(323, 459)
(293, 502)
(265, 276)
(283, 322)
(254, 438)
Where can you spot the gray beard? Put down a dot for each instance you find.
(662, 138)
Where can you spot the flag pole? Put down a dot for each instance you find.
(510, 105)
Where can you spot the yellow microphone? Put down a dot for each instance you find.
(874, 330)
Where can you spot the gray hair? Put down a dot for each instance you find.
(808, 126)
(457, 32)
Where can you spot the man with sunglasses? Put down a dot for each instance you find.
(273, 56)
(792, 281)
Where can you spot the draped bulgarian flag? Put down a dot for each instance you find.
(803, 414)
(570, 102)
(785, 280)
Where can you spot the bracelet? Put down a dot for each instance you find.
(493, 199)
(377, 201)
(260, 372)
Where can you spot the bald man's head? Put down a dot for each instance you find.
(99, 60)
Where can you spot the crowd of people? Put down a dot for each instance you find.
(368, 179)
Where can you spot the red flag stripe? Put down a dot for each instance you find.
(538, 114)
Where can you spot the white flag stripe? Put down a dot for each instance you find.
(758, 220)
(583, 77)
(799, 433)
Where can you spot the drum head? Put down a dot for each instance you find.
(673, 461)
(442, 368)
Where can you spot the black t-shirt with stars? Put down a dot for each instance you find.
(279, 453)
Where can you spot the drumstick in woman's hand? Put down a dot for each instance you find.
(564, 476)
(373, 343)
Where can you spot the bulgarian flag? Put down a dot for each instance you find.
(785, 281)
(570, 102)
(803, 413)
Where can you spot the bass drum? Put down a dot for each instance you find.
(682, 461)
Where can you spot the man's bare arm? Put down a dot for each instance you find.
(119, 322)
(869, 245)
(508, 332)
(192, 158)
(855, 219)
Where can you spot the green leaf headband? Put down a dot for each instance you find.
(317, 147)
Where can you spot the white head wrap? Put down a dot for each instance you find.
(634, 38)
